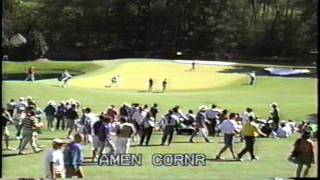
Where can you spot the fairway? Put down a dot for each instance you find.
(206, 85)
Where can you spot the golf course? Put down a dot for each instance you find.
(223, 85)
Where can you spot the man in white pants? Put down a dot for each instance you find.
(65, 78)
(125, 132)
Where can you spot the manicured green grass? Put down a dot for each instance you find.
(49, 67)
(296, 98)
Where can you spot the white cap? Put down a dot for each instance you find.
(58, 141)
(126, 104)
(21, 98)
(203, 107)
(29, 97)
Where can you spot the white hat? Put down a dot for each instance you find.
(126, 104)
(21, 98)
(58, 141)
(203, 107)
(29, 97)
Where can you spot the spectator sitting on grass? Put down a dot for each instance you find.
(283, 131)
(266, 129)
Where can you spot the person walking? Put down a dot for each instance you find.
(200, 125)
(193, 66)
(105, 137)
(65, 77)
(303, 154)
(250, 131)
(164, 85)
(253, 78)
(125, 132)
(54, 163)
(6, 119)
(229, 128)
(29, 126)
(30, 74)
(71, 116)
(73, 157)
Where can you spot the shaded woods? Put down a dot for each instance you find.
(204, 29)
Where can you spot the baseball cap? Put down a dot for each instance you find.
(58, 141)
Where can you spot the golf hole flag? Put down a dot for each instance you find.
(18, 40)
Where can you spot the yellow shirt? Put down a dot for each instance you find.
(250, 129)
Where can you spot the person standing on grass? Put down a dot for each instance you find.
(50, 111)
(229, 128)
(71, 115)
(212, 115)
(164, 85)
(170, 122)
(250, 131)
(95, 140)
(275, 115)
(303, 154)
(61, 115)
(125, 132)
(54, 163)
(147, 126)
(5, 120)
(30, 74)
(200, 125)
(137, 118)
(73, 157)
(150, 85)
(112, 112)
(65, 77)
(154, 111)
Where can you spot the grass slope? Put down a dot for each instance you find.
(296, 97)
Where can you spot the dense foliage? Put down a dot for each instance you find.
(209, 29)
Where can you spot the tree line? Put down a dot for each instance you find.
(208, 29)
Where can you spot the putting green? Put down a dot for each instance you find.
(135, 76)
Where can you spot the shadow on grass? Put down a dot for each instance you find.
(158, 92)
(222, 160)
(195, 142)
(143, 91)
(10, 155)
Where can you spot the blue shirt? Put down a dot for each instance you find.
(104, 132)
(73, 155)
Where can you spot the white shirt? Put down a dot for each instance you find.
(212, 113)
(246, 115)
(229, 126)
(283, 132)
(55, 156)
(174, 120)
(138, 116)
